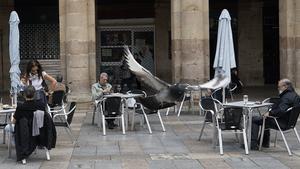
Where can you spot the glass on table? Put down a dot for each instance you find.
(245, 99)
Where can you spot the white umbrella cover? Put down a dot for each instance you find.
(14, 53)
(224, 57)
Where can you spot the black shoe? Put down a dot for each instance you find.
(254, 147)
(265, 145)
(111, 125)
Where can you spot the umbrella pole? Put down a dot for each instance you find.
(223, 95)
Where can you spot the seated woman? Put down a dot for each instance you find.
(32, 129)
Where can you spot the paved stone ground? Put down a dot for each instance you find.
(178, 148)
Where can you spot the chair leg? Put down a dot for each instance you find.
(132, 121)
(181, 104)
(220, 141)
(283, 137)
(103, 125)
(285, 142)
(161, 122)
(275, 142)
(147, 121)
(202, 129)
(4, 136)
(69, 131)
(297, 135)
(123, 123)
(94, 112)
(167, 113)
(262, 133)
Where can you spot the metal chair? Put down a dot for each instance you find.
(293, 114)
(111, 108)
(231, 88)
(207, 105)
(230, 119)
(65, 120)
(151, 106)
(58, 105)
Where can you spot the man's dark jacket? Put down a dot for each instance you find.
(25, 142)
(288, 98)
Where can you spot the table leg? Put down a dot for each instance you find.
(249, 127)
(9, 140)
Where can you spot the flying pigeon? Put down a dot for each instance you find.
(165, 92)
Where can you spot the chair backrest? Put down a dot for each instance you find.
(207, 103)
(232, 86)
(71, 112)
(232, 118)
(152, 103)
(137, 91)
(274, 100)
(113, 104)
(293, 116)
(57, 97)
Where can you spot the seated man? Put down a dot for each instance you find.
(99, 89)
(288, 98)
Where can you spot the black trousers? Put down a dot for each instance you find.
(257, 121)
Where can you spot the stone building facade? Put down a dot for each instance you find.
(180, 34)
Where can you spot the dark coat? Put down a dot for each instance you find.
(288, 98)
(25, 142)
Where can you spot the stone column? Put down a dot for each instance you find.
(289, 33)
(250, 42)
(162, 40)
(77, 33)
(287, 38)
(190, 40)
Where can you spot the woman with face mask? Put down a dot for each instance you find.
(35, 76)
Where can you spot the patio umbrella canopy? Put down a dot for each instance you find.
(14, 53)
(224, 57)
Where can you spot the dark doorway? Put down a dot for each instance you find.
(271, 41)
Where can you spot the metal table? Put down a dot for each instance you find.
(8, 112)
(249, 107)
(124, 97)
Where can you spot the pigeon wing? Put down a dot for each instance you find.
(144, 74)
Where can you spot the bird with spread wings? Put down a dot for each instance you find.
(165, 92)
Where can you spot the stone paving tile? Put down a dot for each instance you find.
(54, 165)
(135, 164)
(240, 162)
(268, 163)
(108, 150)
(161, 164)
(215, 163)
(108, 164)
(86, 164)
(187, 164)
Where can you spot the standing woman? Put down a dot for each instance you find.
(35, 75)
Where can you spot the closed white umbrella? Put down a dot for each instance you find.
(224, 57)
(14, 53)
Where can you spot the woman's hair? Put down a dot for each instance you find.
(31, 64)
(29, 92)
